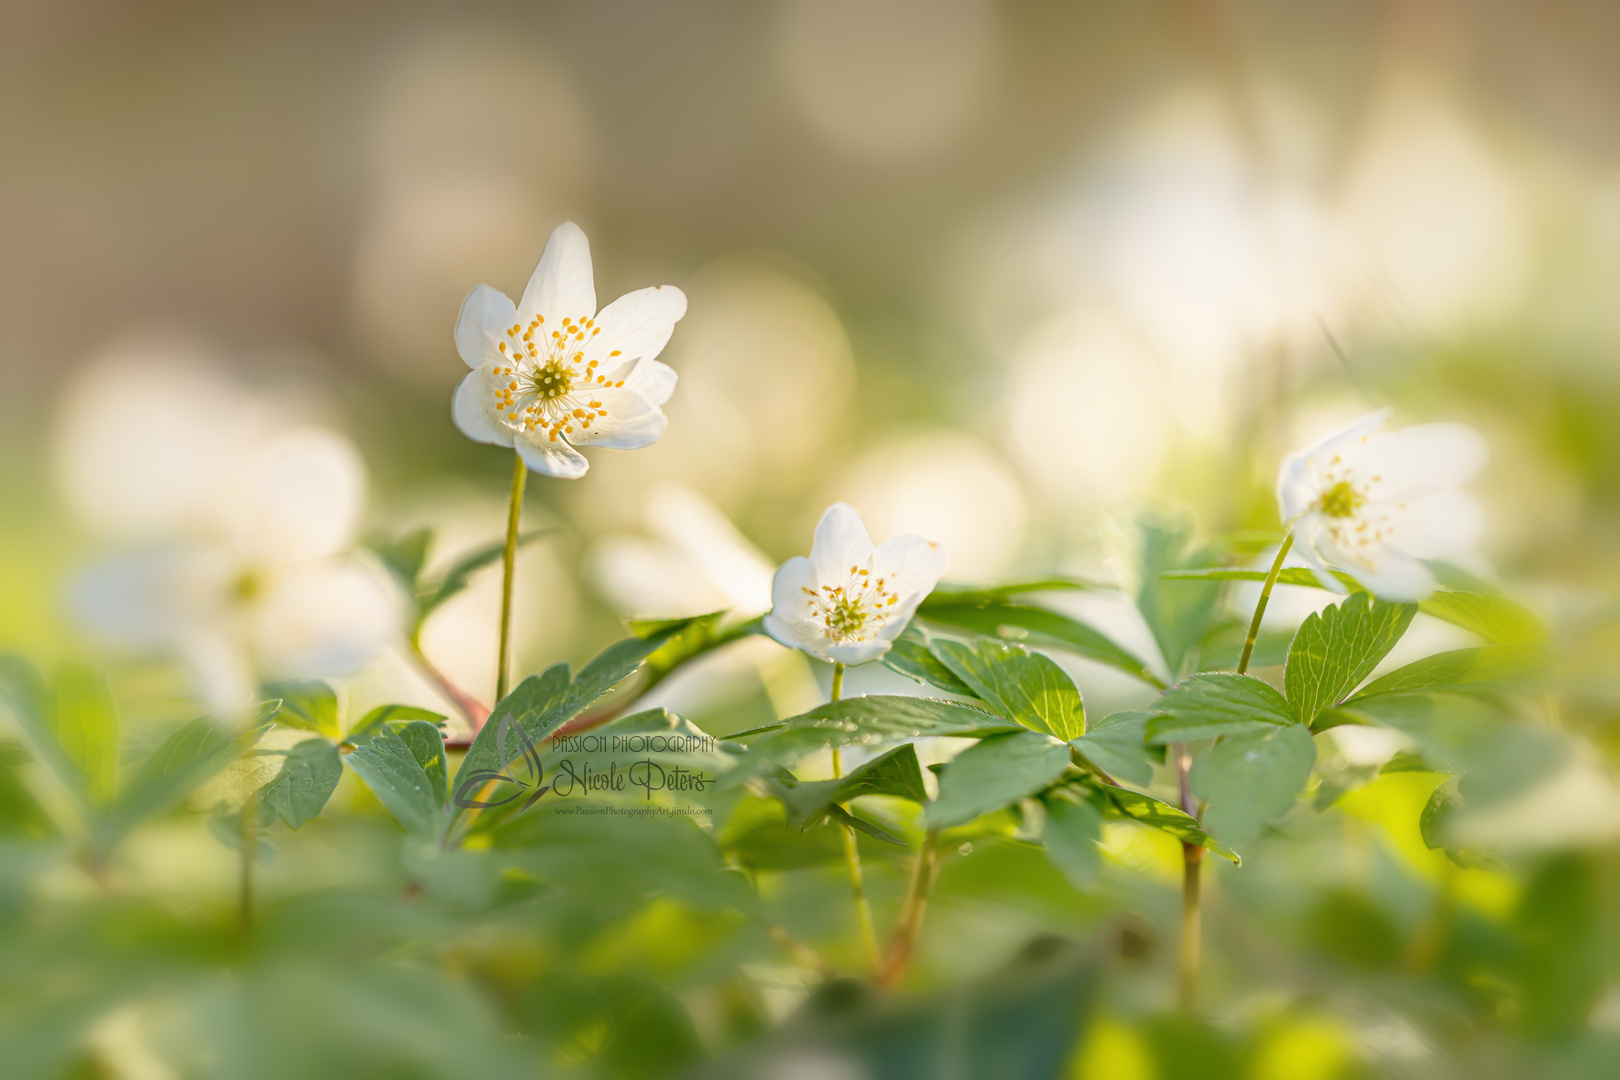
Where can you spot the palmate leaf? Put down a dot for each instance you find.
(1252, 780)
(995, 772)
(893, 773)
(1214, 704)
(1338, 647)
(1036, 626)
(1497, 619)
(1116, 745)
(403, 763)
(191, 754)
(1020, 685)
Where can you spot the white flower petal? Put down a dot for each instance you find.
(1306, 533)
(1419, 458)
(551, 457)
(910, 567)
(841, 542)
(563, 283)
(861, 653)
(631, 421)
(788, 600)
(1386, 573)
(1337, 440)
(637, 325)
(1299, 477)
(473, 409)
(486, 315)
(1430, 526)
(652, 379)
(300, 496)
(1296, 487)
(324, 618)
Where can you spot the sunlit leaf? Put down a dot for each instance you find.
(867, 721)
(1178, 615)
(912, 656)
(406, 773)
(383, 714)
(1038, 627)
(1164, 817)
(996, 771)
(312, 705)
(1486, 667)
(1338, 647)
(893, 773)
(85, 722)
(1216, 703)
(1116, 745)
(309, 773)
(1023, 686)
(1252, 780)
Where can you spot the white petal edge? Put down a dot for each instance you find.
(631, 421)
(1421, 458)
(910, 565)
(841, 542)
(563, 283)
(551, 457)
(637, 325)
(1445, 522)
(863, 653)
(652, 379)
(486, 315)
(473, 410)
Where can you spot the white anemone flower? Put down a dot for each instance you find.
(848, 601)
(1375, 504)
(551, 372)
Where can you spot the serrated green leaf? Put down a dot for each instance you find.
(309, 773)
(85, 723)
(311, 705)
(1338, 647)
(1166, 818)
(1252, 780)
(1023, 686)
(1072, 831)
(997, 771)
(1214, 704)
(912, 657)
(1116, 745)
(191, 754)
(392, 765)
(893, 773)
(1040, 627)
(384, 714)
(867, 721)
(1487, 667)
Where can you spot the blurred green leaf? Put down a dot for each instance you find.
(1338, 647)
(1116, 745)
(1487, 667)
(312, 705)
(1556, 925)
(384, 714)
(686, 641)
(1039, 627)
(430, 595)
(624, 1027)
(193, 753)
(912, 656)
(85, 722)
(1216, 703)
(1023, 686)
(1072, 831)
(309, 773)
(867, 721)
(893, 773)
(404, 556)
(1162, 816)
(995, 594)
(1180, 615)
(997, 771)
(1252, 780)
(406, 771)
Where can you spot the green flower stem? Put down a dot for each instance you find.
(904, 942)
(1265, 598)
(514, 514)
(852, 855)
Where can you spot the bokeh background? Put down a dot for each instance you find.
(995, 273)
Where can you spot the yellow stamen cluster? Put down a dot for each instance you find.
(854, 611)
(1344, 494)
(547, 381)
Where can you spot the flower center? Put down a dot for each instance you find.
(1341, 500)
(547, 383)
(854, 611)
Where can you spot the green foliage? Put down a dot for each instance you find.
(1487, 667)
(383, 714)
(1116, 745)
(912, 655)
(85, 723)
(625, 1027)
(1179, 615)
(308, 775)
(994, 772)
(403, 764)
(1035, 626)
(1338, 647)
(1023, 686)
(1251, 780)
(311, 705)
(1122, 802)
(893, 773)
(1071, 833)
(868, 721)
(1217, 703)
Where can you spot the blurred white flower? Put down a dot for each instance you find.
(552, 371)
(695, 562)
(238, 563)
(848, 601)
(1375, 505)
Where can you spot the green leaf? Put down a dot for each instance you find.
(1023, 686)
(1446, 801)
(1179, 616)
(405, 555)
(972, 594)
(406, 774)
(1073, 829)
(893, 773)
(1115, 744)
(1487, 667)
(311, 705)
(191, 754)
(309, 773)
(837, 815)
(1039, 627)
(1289, 575)
(1164, 817)
(85, 722)
(867, 721)
(430, 595)
(1216, 703)
(686, 640)
(912, 656)
(995, 772)
(1338, 647)
(1252, 780)
(384, 714)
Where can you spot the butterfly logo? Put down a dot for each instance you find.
(472, 784)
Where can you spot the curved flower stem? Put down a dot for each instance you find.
(905, 935)
(514, 514)
(1192, 855)
(852, 855)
